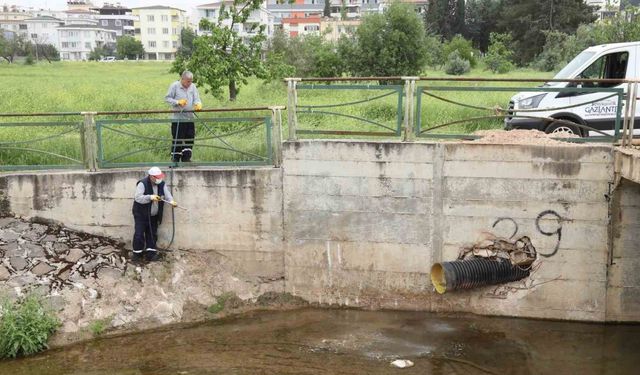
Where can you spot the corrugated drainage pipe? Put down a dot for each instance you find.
(474, 272)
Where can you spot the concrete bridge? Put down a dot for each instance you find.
(360, 223)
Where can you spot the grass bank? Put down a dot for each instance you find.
(131, 86)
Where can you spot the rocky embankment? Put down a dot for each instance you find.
(87, 279)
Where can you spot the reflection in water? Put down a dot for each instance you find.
(351, 342)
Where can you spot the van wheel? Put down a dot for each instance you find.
(560, 127)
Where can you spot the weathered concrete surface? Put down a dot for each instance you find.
(360, 223)
(364, 222)
(235, 212)
(623, 290)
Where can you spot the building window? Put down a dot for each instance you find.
(34, 36)
(312, 28)
(118, 22)
(23, 27)
(165, 18)
(151, 30)
(174, 31)
(87, 45)
(87, 34)
(165, 30)
(174, 18)
(65, 56)
(65, 44)
(175, 44)
(105, 22)
(152, 44)
(150, 18)
(165, 44)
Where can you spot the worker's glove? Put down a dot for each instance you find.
(155, 198)
(174, 203)
(197, 107)
(182, 102)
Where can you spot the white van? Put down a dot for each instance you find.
(607, 61)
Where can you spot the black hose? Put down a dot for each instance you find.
(474, 272)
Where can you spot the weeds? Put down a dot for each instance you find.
(97, 327)
(25, 327)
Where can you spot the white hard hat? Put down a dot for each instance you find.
(155, 172)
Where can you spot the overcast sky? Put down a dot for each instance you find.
(187, 5)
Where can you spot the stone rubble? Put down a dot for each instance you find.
(86, 278)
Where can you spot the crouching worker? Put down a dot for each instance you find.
(148, 202)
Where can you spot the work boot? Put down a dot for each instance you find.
(136, 257)
(151, 255)
(176, 156)
(186, 155)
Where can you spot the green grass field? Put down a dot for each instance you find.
(131, 86)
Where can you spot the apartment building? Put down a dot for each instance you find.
(76, 41)
(43, 30)
(247, 29)
(12, 19)
(605, 8)
(333, 29)
(117, 18)
(158, 28)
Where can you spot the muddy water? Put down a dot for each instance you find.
(351, 342)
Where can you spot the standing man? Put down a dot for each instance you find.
(183, 96)
(147, 213)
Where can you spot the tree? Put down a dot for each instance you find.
(327, 8)
(222, 57)
(481, 19)
(101, 51)
(499, 56)
(527, 21)
(47, 51)
(13, 46)
(128, 47)
(445, 17)
(186, 42)
(464, 48)
(390, 44)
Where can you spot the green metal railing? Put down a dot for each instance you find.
(376, 110)
(242, 137)
(498, 113)
(412, 110)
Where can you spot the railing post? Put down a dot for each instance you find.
(409, 108)
(276, 138)
(292, 103)
(89, 141)
(633, 93)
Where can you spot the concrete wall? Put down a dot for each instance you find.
(236, 213)
(364, 222)
(623, 290)
(361, 223)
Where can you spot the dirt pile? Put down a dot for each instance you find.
(521, 136)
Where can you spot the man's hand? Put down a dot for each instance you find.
(174, 203)
(197, 107)
(182, 102)
(155, 198)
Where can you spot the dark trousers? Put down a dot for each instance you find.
(183, 134)
(146, 232)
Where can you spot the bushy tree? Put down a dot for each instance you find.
(463, 47)
(221, 57)
(527, 21)
(445, 17)
(128, 47)
(499, 55)
(481, 19)
(186, 42)
(434, 51)
(46, 51)
(553, 55)
(100, 51)
(456, 64)
(390, 44)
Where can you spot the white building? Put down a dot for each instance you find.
(43, 30)
(605, 8)
(258, 17)
(158, 28)
(77, 41)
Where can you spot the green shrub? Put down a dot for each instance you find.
(98, 327)
(456, 65)
(221, 302)
(25, 327)
(29, 60)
